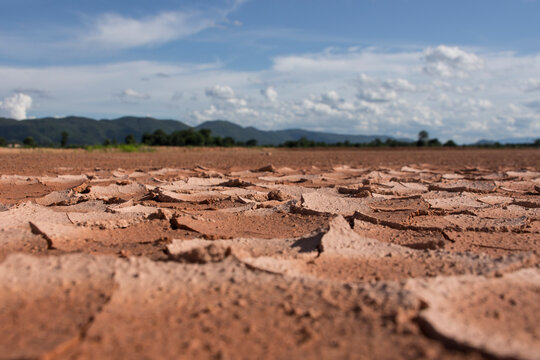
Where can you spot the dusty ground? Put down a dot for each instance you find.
(269, 253)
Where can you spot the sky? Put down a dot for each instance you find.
(462, 70)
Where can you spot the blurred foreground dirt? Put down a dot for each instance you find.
(270, 253)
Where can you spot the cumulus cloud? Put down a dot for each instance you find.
(225, 93)
(16, 106)
(449, 61)
(331, 98)
(480, 104)
(331, 105)
(366, 91)
(207, 114)
(399, 85)
(377, 95)
(237, 102)
(464, 106)
(269, 93)
(220, 92)
(239, 113)
(375, 90)
(319, 108)
(130, 94)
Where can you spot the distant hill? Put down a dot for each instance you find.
(484, 142)
(85, 131)
(276, 137)
(522, 140)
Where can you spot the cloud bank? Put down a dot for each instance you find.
(453, 92)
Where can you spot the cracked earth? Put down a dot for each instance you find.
(270, 254)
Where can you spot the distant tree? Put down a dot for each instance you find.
(390, 142)
(217, 141)
(193, 138)
(3, 141)
(177, 138)
(423, 138)
(64, 139)
(377, 142)
(536, 143)
(228, 141)
(251, 142)
(130, 140)
(147, 138)
(114, 142)
(450, 143)
(207, 136)
(305, 142)
(29, 142)
(434, 142)
(160, 137)
(106, 142)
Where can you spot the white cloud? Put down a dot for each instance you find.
(225, 93)
(331, 98)
(347, 63)
(480, 104)
(448, 61)
(237, 102)
(207, 114)
(269, 93)
(16, 106)
(399, 85)
(130, 94)
(247, 111)
(377, 95)
(220, 92)
(319, 108)
(375, 90)
(118, 32)
(114, 31)
(358, 91)
(98, 34)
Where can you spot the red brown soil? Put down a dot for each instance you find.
(44, 161)
(327, 253)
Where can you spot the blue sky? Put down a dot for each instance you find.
(460, 69)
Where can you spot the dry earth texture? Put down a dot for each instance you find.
(268, 253)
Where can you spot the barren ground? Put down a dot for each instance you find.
(270, 253)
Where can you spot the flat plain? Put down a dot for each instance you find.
(270, 253)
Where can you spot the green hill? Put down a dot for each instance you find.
(276, 137)
(85, 131)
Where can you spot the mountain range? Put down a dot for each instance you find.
(86, 131)
(521, 140)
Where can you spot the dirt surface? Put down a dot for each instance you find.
(270, 253)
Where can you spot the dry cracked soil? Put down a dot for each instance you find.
(270, 254)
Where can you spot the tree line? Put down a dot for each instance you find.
(189, 137)
(204, 137)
